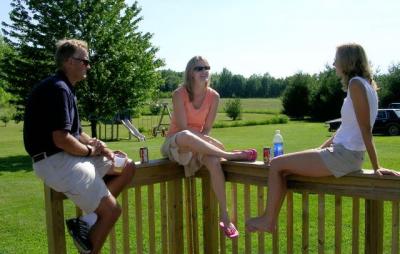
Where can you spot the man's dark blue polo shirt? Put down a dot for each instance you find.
(51, 106)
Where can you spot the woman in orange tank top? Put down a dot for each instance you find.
(188, 143)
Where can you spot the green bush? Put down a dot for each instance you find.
(155, 108)
(233, 108)
(6, 114)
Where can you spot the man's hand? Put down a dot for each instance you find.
(98, 146)
(108, 153)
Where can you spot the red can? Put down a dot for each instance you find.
(144, 155)
(267, 155)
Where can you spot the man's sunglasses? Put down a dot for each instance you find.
(84, 61)
(201, 68)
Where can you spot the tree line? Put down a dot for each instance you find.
(231, 85)
(318, 96)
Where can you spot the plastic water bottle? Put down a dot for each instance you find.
(278, 143)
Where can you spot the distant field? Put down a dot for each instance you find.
(257, 105)
(252, 105)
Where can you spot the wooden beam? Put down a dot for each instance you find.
(54, 222)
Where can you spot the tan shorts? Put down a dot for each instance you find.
(79, 178)
(341, 161)
(189, 160)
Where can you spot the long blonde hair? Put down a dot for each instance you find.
(188, 75)
(353, 61)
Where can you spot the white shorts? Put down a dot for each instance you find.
(79, 178)
(341, 161)
(189, 160)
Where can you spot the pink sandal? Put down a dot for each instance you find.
(251, 154)
(229, 231)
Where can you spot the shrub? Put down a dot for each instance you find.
(233, 108)
(295, 100)
(5, 119)
(155, 108)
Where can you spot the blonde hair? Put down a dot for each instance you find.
(188, 75)
(352, 60)
(66, 48)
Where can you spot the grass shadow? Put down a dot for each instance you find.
(15, 163)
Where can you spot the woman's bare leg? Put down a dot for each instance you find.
(186, 140)
(213, 165)
(306, 163)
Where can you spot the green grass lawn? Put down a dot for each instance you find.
(22, 219)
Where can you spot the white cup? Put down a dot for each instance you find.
(119, 162)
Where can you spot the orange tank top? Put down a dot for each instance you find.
(196, 118)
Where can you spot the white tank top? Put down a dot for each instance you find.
(349, 134)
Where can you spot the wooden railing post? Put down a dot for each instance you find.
(175, 216)
(210, 217)
(54, 222)
(373, 226)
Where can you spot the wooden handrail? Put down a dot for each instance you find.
(365, 184)
(373, 188)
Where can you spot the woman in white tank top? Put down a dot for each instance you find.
(339, 155)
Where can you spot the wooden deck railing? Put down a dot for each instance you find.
(185, 217)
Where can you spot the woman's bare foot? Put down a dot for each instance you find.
(259, 224)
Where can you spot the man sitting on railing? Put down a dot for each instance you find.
(66, 158)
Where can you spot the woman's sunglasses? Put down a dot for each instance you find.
(201, 68)
(84, 61)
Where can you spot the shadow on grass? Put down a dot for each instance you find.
(15, 163)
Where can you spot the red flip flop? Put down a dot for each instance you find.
(229, 231)
(251, 154)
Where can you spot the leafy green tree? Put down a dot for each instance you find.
(295, 99)
(233, 108)
(7, 111)
(389, 86)
(4, 50)
(172, 80)
(223, 85)
(326, 96)
(253, 87)
(237, 86)
(123, 61)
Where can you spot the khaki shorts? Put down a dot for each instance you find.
(79, 178)
(341, 161)
(189, 160)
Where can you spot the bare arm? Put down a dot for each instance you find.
(64, 140)
(361, 109)
(85, 138)
(211, 115)
(179, 111)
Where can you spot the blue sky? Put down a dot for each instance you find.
(259, 36)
